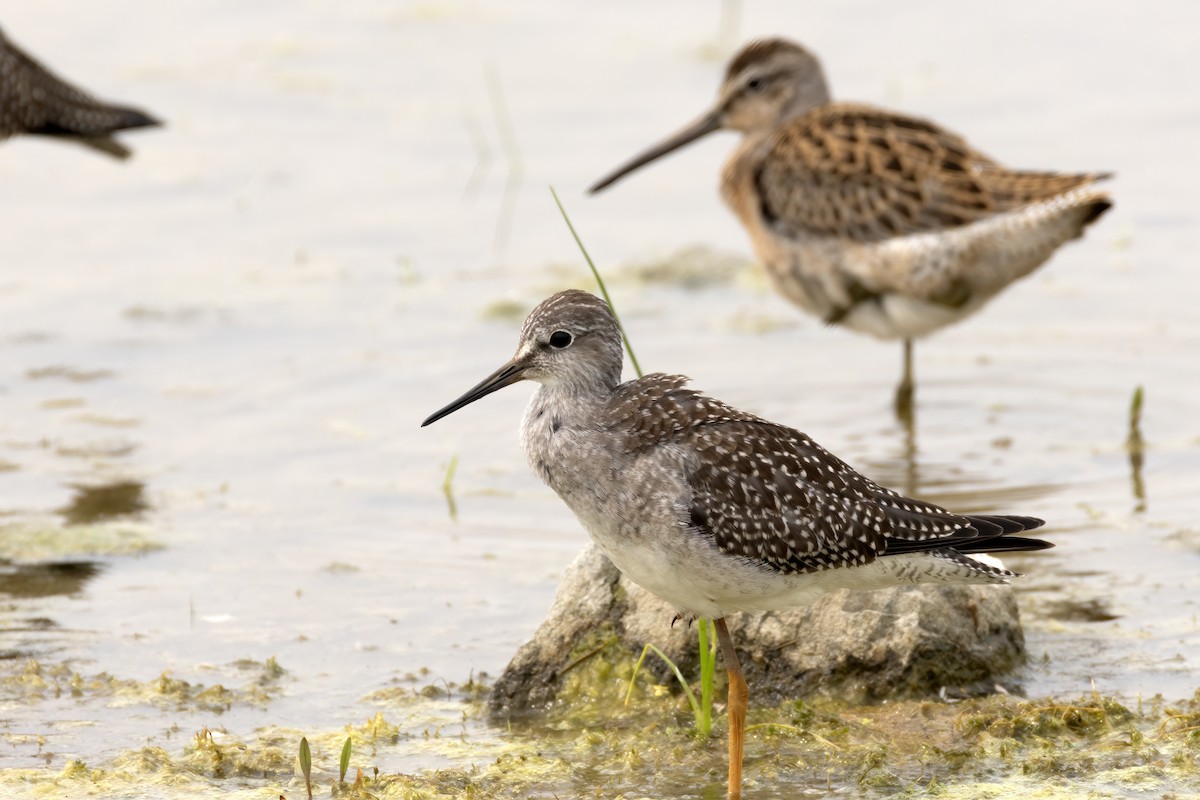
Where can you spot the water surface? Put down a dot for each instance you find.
(216, 356)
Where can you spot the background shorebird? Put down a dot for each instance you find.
(884, 223)
(713, 509)
(34, 100)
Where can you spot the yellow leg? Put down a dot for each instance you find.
(739, 696)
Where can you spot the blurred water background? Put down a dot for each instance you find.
(214, 357)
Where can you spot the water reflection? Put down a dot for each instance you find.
(25, 629)
(31, 624)
(1135, 445)
(24, 581)
(67, 373)
(1093, 609)
(105, 501)
(949, 483)
(13, 628)
(512, 157)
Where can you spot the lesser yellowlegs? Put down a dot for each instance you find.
(713, 509)
(35, 101)
(883, 223)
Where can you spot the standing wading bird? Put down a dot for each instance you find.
(713, 509)
(35, 101)
(884, 223)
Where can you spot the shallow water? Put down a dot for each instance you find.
(333, 238)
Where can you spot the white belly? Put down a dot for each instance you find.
(689, 572)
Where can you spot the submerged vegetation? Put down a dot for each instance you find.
(1000, 746)
(33, 540)
(35, 682)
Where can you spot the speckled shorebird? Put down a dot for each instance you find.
(35, 101)
(884, 223)
(713, 509)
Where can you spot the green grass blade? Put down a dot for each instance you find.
(687, 689)
(708, 661)
(306, 764)
(603, 289)
(344, 763)
(1134, 440)
(1135, 445)
(636, 668)
(448, 488)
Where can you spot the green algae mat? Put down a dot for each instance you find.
(592, 745)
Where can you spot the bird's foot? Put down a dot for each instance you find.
(688, 619)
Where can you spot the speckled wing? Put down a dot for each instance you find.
(771, 494)
(866, 174)
(34, 100)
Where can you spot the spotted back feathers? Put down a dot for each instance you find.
(771, 494)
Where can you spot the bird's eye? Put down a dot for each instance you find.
(560, 339)
(754, 84)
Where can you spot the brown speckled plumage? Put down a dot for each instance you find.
(870, 219)
(863, 174)
(35, 101)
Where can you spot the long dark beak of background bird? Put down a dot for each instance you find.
(702, 127)
(507, 375)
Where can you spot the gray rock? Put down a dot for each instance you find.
(864, 646)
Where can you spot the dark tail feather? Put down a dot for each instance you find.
(92, 119)
(105, 144)
(1008, 523)
(1004, 544)
(103, 121)
(1096, 210)
(992, 534)
(133, 118)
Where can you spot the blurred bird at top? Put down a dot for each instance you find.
(34, 100)
(883, 223)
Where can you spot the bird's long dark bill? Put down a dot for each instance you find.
(701, 127)
(507, 375)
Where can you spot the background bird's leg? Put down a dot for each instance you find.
(739, 694)
(904, 392)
